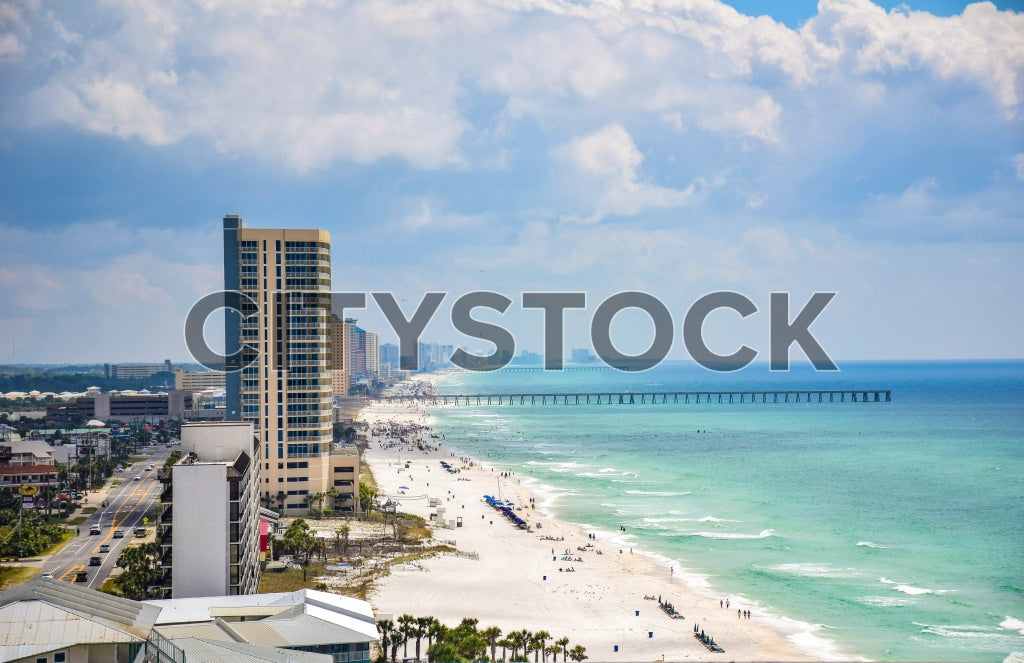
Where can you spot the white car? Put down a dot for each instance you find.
(138, 477)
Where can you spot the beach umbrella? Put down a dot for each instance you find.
(403, 487)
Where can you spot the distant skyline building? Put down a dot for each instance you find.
(341, 355)
(198, 380)
(389, 355)
(357, 349)
(582, 356)
(371, 354)
(284, 386)
(127, 371)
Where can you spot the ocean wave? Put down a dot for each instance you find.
(658, 493)
(1012, 624)
(566, 465)
(885, 601)
(868, 544)
(887, 581)
(959, 630)
(815, 570)
(918, 591)
(712, 519)
(729, 535)
(599, 475)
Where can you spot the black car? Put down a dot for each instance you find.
(95, 561)
(82, 576)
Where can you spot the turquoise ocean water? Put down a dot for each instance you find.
(886, 531)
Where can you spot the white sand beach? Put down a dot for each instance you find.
(517, 583)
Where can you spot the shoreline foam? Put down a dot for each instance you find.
(596, 605)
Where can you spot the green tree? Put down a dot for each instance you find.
(540, 641)
(577, 653)
(563, 642)
(298, 538)
(140, 570)
(444, 652)
(491, 635)
(366, 497)
(406, 624)
(387, 630)
(422, 626)
(436, 631)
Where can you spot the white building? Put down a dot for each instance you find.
(306, 620)
(209, 525)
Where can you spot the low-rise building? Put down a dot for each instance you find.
(305, 620)
(198, 380)
(48, 621)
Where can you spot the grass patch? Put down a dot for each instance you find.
(366, 477)
(15, 575)
(77, 520)
(64, 539)
(108, 587)
(290, 579)
(88, 510)
(420, 554)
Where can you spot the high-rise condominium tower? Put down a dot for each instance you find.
(284, 384)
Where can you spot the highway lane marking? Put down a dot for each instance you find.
(73, 570)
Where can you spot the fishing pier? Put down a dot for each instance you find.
(652, 397)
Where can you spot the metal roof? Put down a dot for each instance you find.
(239, 652)
(28, 628)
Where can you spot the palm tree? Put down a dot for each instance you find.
(491, 635)
(576, 653)
(521, 640)
(435, 631)
(540, 639)
(422, 624)
(333, 493)
(473, 646)
(405, 627)
(563, 642)
(505, 644)
(386, 628)
(552, 649)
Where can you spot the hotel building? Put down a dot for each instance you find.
(284, 384)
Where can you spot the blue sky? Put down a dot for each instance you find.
(678, 148)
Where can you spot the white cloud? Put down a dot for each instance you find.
(611, 161)
(1018, 165)
(314, 83)
(983, 45)
(758, 121)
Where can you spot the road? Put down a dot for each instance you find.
(128, 502)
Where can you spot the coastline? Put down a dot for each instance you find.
(609, 603)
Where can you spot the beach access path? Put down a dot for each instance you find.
(516, 583)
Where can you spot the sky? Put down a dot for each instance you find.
(676, 147)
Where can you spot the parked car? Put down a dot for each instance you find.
(118, 533)
(82, 576)
(95, 560)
